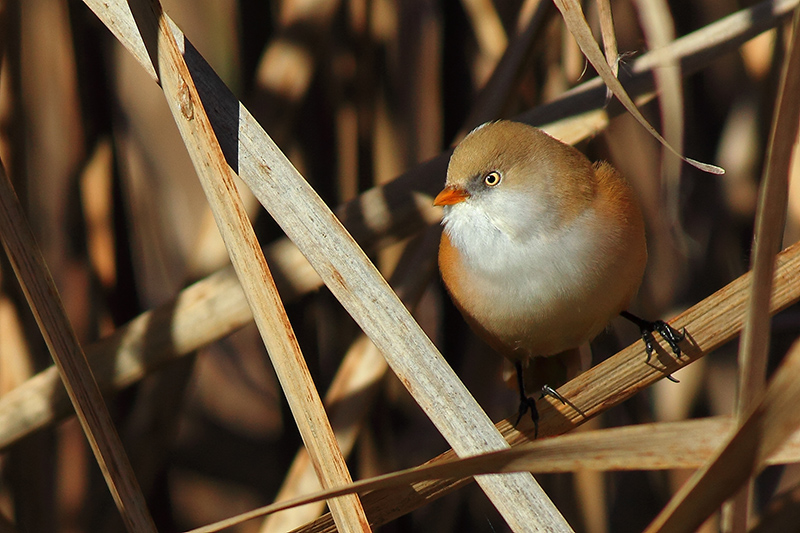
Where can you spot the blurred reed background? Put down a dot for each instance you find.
(355, 93)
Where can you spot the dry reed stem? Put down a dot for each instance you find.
(781, 514)
(608, 34)
(288, 64)
(710, 324)
(300, 479)
(640, 447)
(359, 375)
(693, 51)
(248, 260)
(576, 23)
(96, 183)
(489, 33)
(492, 98)
(45, 303)
(767, 426)
(770, 220)
(201, 297)
(202, 313)
(283, 77)
(659, 30)
(357, 284)
(215, 306)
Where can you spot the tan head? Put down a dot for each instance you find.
(519, 178)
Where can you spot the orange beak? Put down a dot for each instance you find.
(450, 196)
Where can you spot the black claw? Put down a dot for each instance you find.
(547, 390)
(672, 336)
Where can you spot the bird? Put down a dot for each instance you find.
(540, 248)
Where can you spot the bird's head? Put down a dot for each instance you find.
(516, 178)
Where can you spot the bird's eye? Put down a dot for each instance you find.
(492, 178)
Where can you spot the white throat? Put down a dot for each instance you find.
(525, 255)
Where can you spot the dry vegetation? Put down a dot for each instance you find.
(364, 98)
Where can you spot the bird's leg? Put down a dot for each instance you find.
(526, 402)
(667, 332)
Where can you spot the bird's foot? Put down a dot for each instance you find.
(672, 336)
(527, 403)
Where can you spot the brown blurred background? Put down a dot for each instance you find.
(355, 93)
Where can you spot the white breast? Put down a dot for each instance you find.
(549, 290)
